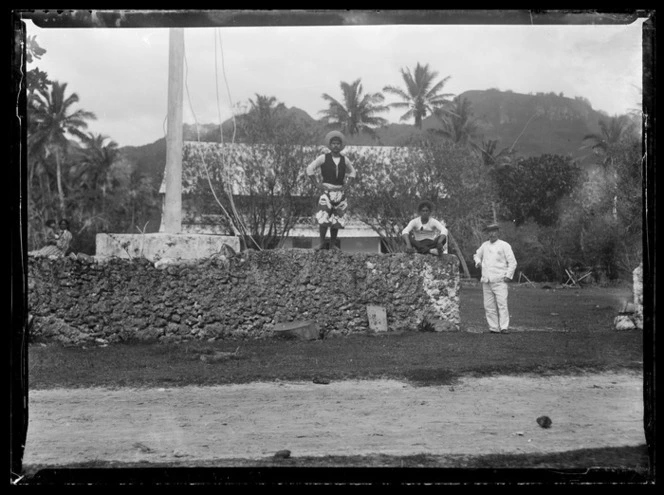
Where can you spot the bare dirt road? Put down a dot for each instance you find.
(494, 415)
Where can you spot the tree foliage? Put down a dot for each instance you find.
(588, 233)
(612, 218)
(256, 189)
(72, 174)
(531, 188)
(612, 133)
(54, 121)
(262, 122)
(493, 158)
(459, 125)
(449, 175)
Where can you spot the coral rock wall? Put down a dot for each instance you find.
(85, 300)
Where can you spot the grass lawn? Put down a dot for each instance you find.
(555, 331)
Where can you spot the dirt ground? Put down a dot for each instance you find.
(476, 416)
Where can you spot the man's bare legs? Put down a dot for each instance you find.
(434, 246)
(333, 238)
(322, 233)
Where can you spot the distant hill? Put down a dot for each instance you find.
(537, 124)
(558, 123)
(148, 159)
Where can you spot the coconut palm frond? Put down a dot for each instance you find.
(420, 95)
(357, 110)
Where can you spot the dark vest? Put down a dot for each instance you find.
(329, 170)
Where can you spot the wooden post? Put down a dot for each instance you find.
(459, 254)
(173, 170)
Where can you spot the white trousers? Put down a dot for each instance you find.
(495, 305)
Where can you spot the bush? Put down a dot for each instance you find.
(532, 188)
(533, 251)
(603, 246)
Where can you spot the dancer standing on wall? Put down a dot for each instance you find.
(336, 173)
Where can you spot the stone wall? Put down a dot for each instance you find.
(637, 275)
(115, 300)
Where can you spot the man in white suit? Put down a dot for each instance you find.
(498, 265)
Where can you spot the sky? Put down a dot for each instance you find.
(121, 74)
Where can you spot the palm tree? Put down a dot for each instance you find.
(91, 173)
(491, 158)
(262, 115)
(494, 160)
(265, 106)
(53, 121)
(98, 157)
(421, 96)
(459, 125)
(36, 82)
(35, 79)
(358, 111)
(605, 144)
(610, 135)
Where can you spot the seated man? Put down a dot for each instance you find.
(425, 235)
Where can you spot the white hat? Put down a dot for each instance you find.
(335, 134)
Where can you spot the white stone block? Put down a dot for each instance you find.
(158, 246)
(377, 318)
(623, 322)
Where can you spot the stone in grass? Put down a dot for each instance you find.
(441, 325)
(282, 454)
(623, 322)
(303, 330)
(143, 448)
(544, 421)
(219, 356)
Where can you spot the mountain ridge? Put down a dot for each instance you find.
(533, 124)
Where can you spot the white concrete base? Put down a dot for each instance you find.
(158, 246)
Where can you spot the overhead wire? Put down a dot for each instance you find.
(207, 172)
(223, 70)
(235, 220)
(186, 87)
(225, 170)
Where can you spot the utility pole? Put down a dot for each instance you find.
(173, 198)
